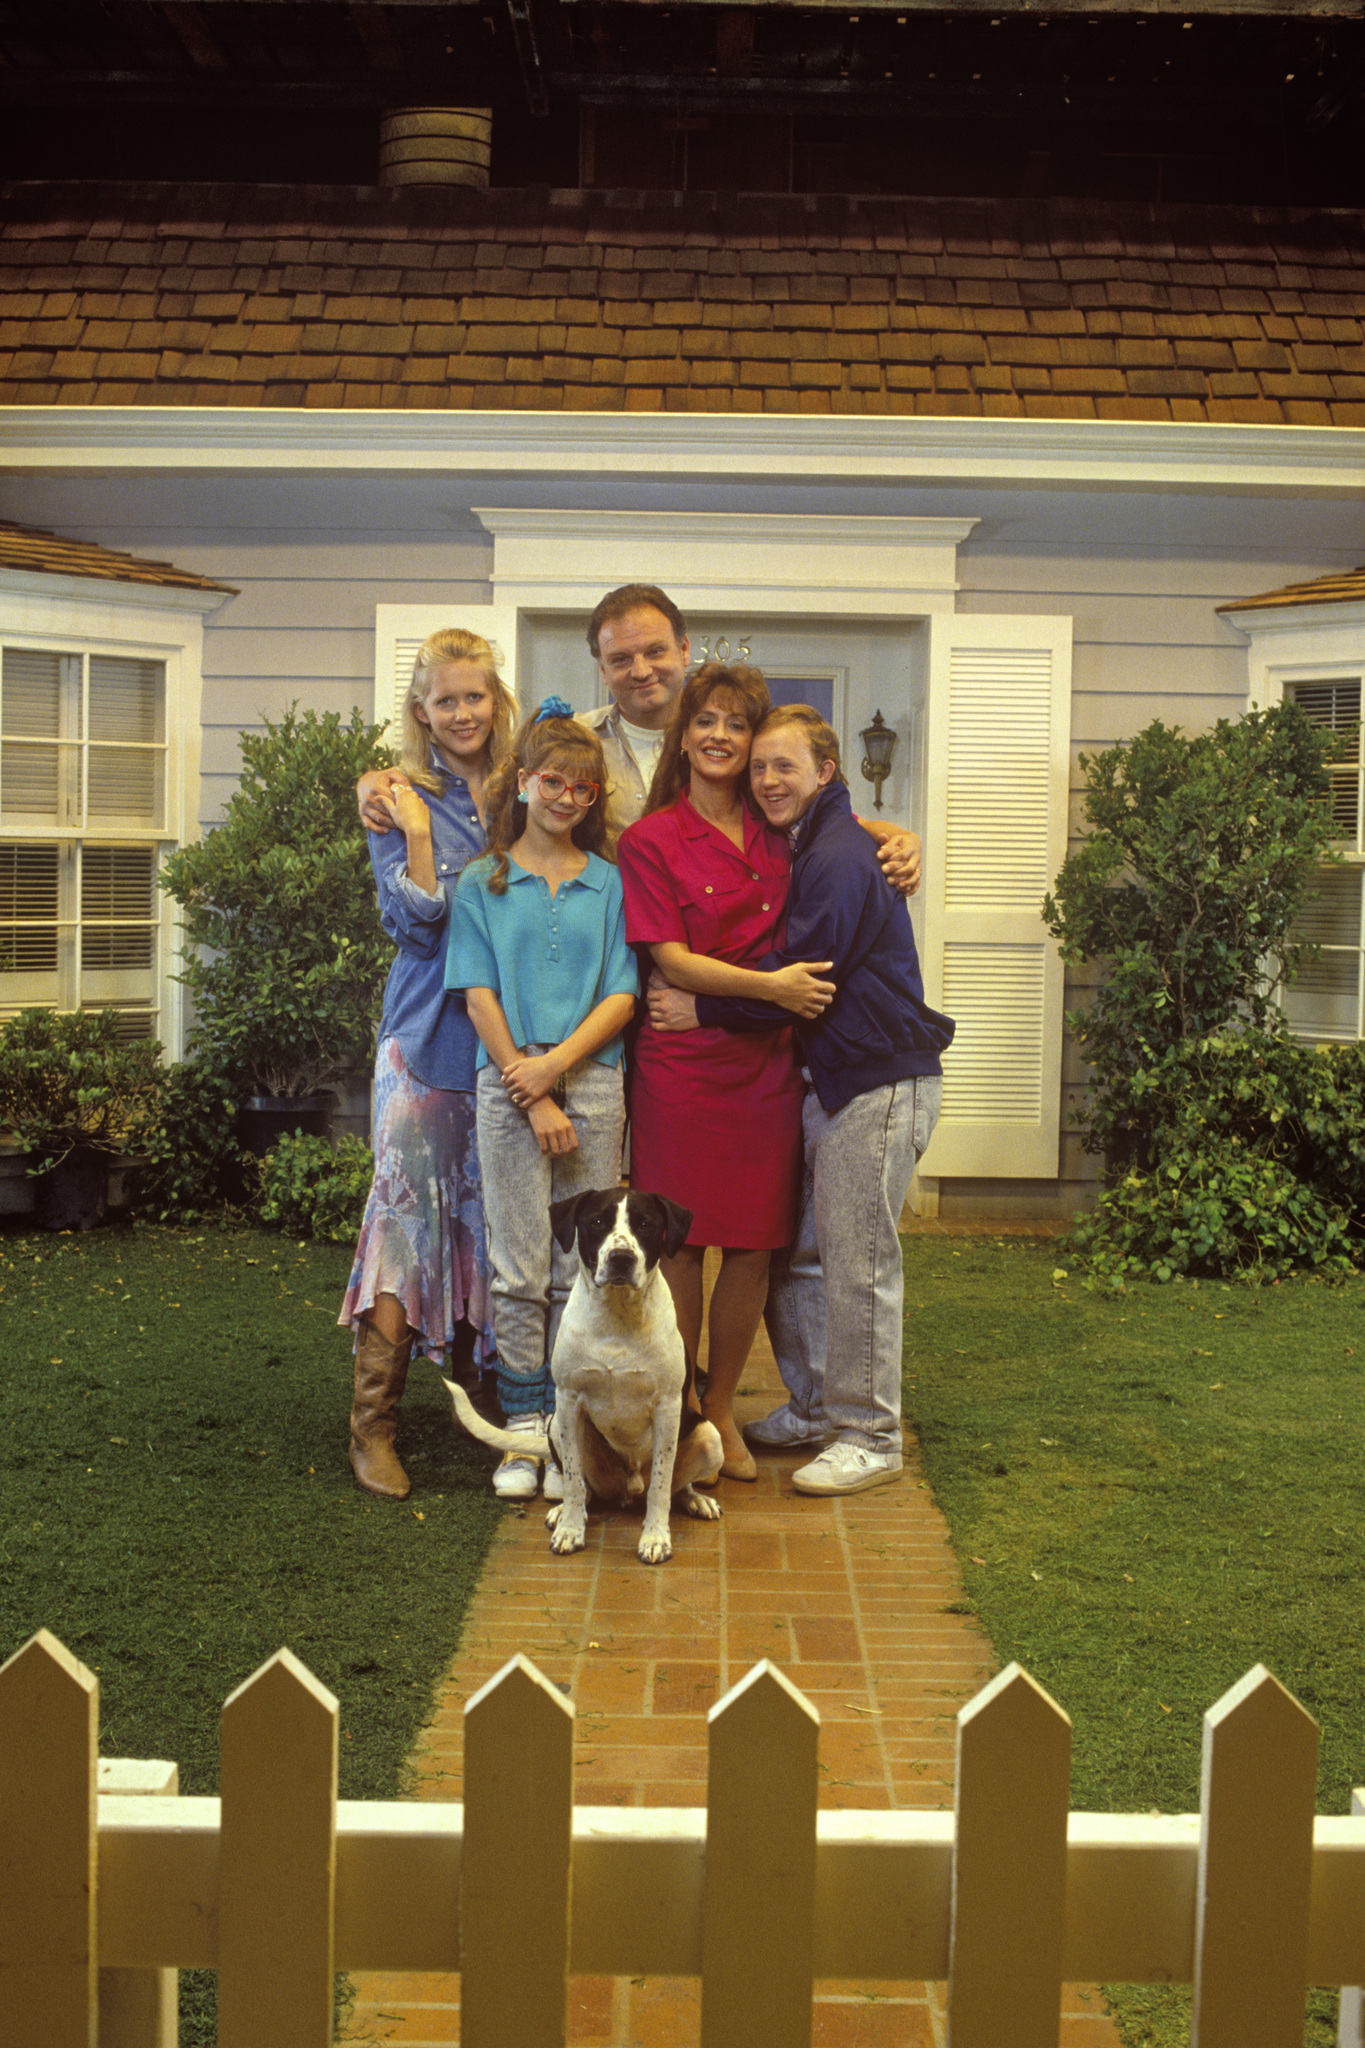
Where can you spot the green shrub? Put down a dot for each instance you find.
(1229, 1148)
(68, 1078)
(312, 1189)
(1256, 1163)
(193, 1159)
(1200, 853)
(286, 957)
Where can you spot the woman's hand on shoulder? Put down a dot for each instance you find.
(799, 988)
(899, 854)
(370, 793)
(554, 1133)
(405, 807)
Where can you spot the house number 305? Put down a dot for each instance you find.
(719, 649)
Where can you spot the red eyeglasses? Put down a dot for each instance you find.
(552, 788)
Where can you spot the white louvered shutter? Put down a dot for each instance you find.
(1326, 1001)
(997, 761)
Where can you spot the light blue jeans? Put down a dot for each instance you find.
(531, 1275)
(836, 1301)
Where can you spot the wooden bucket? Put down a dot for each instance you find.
(435, 145)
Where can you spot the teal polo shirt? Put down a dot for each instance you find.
(550, 960)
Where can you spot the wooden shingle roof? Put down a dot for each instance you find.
(33, 549)
(359, 297)
(1346, 587)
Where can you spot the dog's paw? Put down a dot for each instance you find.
(656, 1547)
(702, 1505)
(552, 1519)
(566, 1536)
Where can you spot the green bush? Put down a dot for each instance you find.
(1256, 1163)
(1229, 1148)
(286, 958)
(1199, 856)
(67, 1078)
(312, 1189)
(193, 1159)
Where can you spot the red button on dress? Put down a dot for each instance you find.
(715, 1115)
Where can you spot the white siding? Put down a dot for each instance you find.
(1139, 573)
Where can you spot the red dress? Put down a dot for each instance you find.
(715, 1115)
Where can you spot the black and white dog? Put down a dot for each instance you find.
(621, 1424)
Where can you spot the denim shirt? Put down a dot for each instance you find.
(429, 1021)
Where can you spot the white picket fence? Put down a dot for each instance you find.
(104, 1894)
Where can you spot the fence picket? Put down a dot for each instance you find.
(138, 2008)
(277, 1860)
(1249, 1900)
(1255, 1867)
(1009, 1866)
(515, 1867)
(1351, 2014)
(49, 1731)
(758, 1900)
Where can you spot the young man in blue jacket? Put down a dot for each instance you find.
(873, 1088)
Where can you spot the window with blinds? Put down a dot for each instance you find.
(82, 814)
(1327, 1001)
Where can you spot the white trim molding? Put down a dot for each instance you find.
(781, 564)
(1103, 454)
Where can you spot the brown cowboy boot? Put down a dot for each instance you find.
(381, 1372)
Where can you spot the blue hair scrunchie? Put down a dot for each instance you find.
(553, 707)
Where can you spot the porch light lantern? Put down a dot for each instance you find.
(879, 746)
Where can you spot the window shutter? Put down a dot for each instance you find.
(998, 767)
(1324, 1000)
(1334, 707)
(34, 682)
(125, 773)
(28, 910)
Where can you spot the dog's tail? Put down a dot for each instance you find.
(522, 1443)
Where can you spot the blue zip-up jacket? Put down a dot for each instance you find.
(878, 1029)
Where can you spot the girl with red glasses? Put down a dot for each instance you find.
(538, 944)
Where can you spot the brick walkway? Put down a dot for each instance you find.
(848, 1598)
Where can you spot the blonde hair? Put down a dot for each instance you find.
(571, 750)
(739, 689)
(452, 643)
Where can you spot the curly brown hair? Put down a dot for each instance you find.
(569, 749)
(738, 688)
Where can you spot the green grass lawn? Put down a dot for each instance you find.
(175, 1501)
(1149, 1493)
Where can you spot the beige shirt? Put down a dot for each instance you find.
(626, 786)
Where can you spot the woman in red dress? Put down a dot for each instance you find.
(716, 1115)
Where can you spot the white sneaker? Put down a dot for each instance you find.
(516, 1477)
(848, 1468)
(785, 1430)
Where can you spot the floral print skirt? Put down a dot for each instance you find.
(423, 1237)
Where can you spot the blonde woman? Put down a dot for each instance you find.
(421, 1266)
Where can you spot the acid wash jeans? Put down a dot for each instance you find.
(836, 1301)
(531, 1275)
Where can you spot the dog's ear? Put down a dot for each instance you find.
(564, 1217)
(677, 1223)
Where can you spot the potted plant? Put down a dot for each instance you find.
(74, 1095)
(286, 957)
